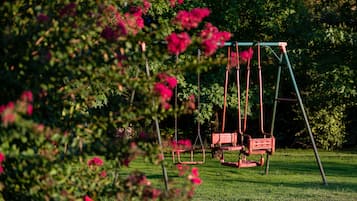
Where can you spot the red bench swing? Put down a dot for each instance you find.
(239, 140)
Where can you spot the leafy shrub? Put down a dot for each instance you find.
(83, 83)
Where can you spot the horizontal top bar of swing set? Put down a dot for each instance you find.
(278, 44)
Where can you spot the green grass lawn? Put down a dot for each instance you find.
(294, 175)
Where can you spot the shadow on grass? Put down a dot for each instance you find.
(338, 169)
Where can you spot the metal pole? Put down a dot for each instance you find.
(164, 172)
(277, 87)
(305, 116)
(225, 91)
(175, 115)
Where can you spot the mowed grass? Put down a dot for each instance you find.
(293, 175)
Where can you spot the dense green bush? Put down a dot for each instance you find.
(83, 84)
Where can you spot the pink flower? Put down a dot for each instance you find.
(194, 171)
(87, 198)
(171, 82)
(194, 176)
(42, 18)
(191, 19)
(182, 169)
(144, 181)
(212, 37)
(39, 128)
(173, 2)
(209, 46)
(233, 59)
(10, 105)
(132, 21)
(164, 92)
(103, 174)
(160, 157)
(2, 157)
(29, 109)
(196, 180)
(146, 6)
(246, 55)
(155, 194)
(27, 96)
(178, 43)
(95, 161)
(165, 105)
(8, 118)
(8, 114)
(181, 144)
(2, 109)
(164, 88)
(185, 143)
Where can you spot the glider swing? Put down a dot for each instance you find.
(240, 140)
(179, 147)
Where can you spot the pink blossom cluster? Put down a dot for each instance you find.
(7, 113)
(125, 24)
(174, 2)
(95, 161)
(194, 176)
(182, 144)
(2, 158)
(87, 198)
(178, 42)
(164, 88)
(212, 38)
(191, 19)
(182, 169)
(244, 56)
(24, 105)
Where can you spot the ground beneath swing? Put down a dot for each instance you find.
(294, 175)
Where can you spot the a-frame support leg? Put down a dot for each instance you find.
(304, 114)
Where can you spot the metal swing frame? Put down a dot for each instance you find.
(176, 153)
(284, 61)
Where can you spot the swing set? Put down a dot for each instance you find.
(240, 140)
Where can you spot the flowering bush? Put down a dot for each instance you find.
(84, 82)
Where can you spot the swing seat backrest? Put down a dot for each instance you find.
(221, 139)
(260, 145)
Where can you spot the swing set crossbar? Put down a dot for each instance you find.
(250, 44)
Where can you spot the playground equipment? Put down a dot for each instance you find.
(239, 140)
(192, 148)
